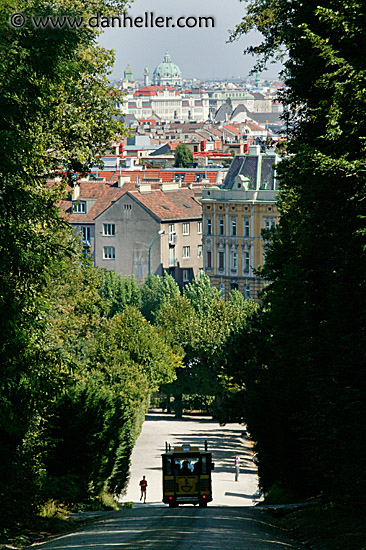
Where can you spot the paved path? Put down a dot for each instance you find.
(230, 521)
(183, 528)
(223, 441)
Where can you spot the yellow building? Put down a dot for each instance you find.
(234, 216)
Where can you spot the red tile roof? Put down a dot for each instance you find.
(172, 205)
(254, 127)
(169, 175)
(104, 193)
(232, 129)
(152, 90)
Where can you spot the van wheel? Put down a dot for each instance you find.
(203, 504)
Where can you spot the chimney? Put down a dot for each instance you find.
(76, 192)
(169, 186)
(254, 150)
(144, 188)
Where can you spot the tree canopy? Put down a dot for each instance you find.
(304, 396)
(182, 156)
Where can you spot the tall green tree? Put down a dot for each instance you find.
(55, 113)
(199, 325)
(156, 291)
(182, 156)
(312, 389)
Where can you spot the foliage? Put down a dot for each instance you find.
(155, 292)
(55, 110)
(304, 398)
(120, 292)
(201, 294)
(182, 156)
(198, 325)
(117, 363)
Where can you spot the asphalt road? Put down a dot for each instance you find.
(230, 521)
(224, 442)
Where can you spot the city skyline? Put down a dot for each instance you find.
(200, 53)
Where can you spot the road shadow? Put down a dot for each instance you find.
(166, 417)
(224, 444)
(186, 527)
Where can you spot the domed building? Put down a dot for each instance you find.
(128, 74)
(167, 73)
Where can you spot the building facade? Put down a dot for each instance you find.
(139, 226)
(167, 104)
(234, 216)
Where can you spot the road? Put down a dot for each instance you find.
(230, 520)
(224, 442)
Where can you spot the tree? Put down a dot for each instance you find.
(155, 292)
(120, 292)
(56, 113)
(198, 326)
(312, 382)
(97, 420)
(182, 156)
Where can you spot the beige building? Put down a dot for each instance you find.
(234, 216)
(137, 228)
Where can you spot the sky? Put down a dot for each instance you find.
(200, 53)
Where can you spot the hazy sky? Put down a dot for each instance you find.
(200, 53)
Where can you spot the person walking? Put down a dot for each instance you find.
(143, 486)
(237, 468)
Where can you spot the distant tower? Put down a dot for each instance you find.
(128, 74)
(146, 77)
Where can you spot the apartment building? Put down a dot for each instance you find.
(140, 227)
(168, 104)
(234, 215)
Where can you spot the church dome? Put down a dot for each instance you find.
(167, 70)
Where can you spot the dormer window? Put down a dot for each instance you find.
(79, 207)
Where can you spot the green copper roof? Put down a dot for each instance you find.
(167, 69)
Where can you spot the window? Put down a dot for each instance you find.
(221, 260)
(233, 227)
(185, 275)
(199, 251)
(209, 259)
(246, 262)
(186, 228)
(234, 261)
(79, 208)
(222, 289)
(199, 228)
(247, 292)
(109, 253)
(171, 256)
(109, 229)
(209, 226)
(221, 226)
(186, 250)
(246, 227)
(85, 231)
(172, 236)
(269, 223)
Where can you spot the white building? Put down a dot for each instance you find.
(168, 104)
